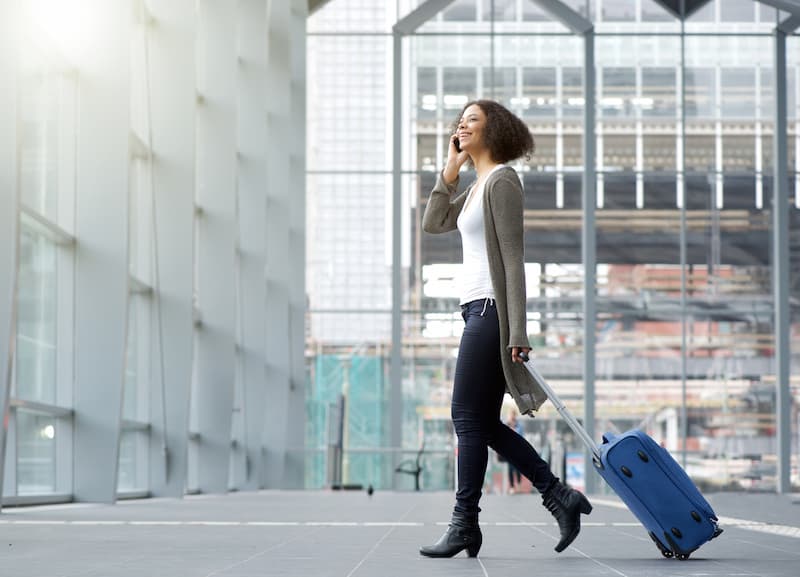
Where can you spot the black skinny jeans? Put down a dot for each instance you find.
(477, 398)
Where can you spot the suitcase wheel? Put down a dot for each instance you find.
(682, 556)
(664, 551)
(643, 456)
(696, 516)
(626, 471)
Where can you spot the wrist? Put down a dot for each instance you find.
(450, 173)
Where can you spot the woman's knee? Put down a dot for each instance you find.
(471, 422)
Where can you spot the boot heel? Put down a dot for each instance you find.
(473, 548)
(586, 506)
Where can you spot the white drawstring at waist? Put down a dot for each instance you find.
(488, 301)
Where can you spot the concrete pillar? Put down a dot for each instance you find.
(216, 241)
(171, 46)
(101, 259)
(252, 137)
(294, 475)
(284, 422)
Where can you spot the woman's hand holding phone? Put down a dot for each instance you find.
(455, 159)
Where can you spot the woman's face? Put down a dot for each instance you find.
(470, 129)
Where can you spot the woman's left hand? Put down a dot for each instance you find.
(515, 351)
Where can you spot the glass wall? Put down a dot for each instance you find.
(128, 120)
(684, 162)
(40, 419)
(142, 341)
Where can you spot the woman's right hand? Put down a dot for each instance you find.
(455, 160)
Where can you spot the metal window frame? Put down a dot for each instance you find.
(579, 25)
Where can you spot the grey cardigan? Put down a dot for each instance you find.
(503, 221)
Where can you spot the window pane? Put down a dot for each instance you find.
(739, 152)
(39, 139)
(544, 157)
(346, 130)
(132, 455)
(348, 267)
(659, 152)
(619, 152)
(539, 90)
(700, 92)
(654, 12)
(619, 190)
(352, 16)
(658, 92)
(738, 92)
(504, 10)
(460, 11)
(572, 89)
(36, 321)
(767, 14)
(531, 12)
(427, 98)
(573, 151)
(700, 152)
(500, 84)
(583, 7)
(619, 91)
(737, 11)
(619, 11)
(36, 453)
(138, 361)
(459, 86)
(660, 191)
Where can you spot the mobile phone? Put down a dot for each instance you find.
(458, 145)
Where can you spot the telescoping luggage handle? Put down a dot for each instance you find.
(570, 419)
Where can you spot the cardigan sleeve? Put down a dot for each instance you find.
(507, 209)
(440, 213)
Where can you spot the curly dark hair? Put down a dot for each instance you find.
(506, 136)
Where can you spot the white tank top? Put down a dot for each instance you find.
(475, 281)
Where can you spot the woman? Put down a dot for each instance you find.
(489, 216)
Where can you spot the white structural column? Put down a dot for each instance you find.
(780, 268)
(101, 274)
(282, 429)
(294, 474)
(252, 85)
(589, 248)
(172, 94)
(216, 238)
(9, 213)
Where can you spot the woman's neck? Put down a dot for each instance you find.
(483, 163)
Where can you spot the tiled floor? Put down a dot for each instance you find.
(315, 534)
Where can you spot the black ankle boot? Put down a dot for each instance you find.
(462, 533)
(566, 504)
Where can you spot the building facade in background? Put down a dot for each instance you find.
(684, 124)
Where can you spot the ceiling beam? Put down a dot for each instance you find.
(419, 16)
(671, 6)
(314, 5)
(566, 15)
(790, 6)
(693, 6)
(789, 25)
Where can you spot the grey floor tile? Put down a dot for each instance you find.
(321, 534)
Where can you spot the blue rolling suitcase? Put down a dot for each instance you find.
(650, 482)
